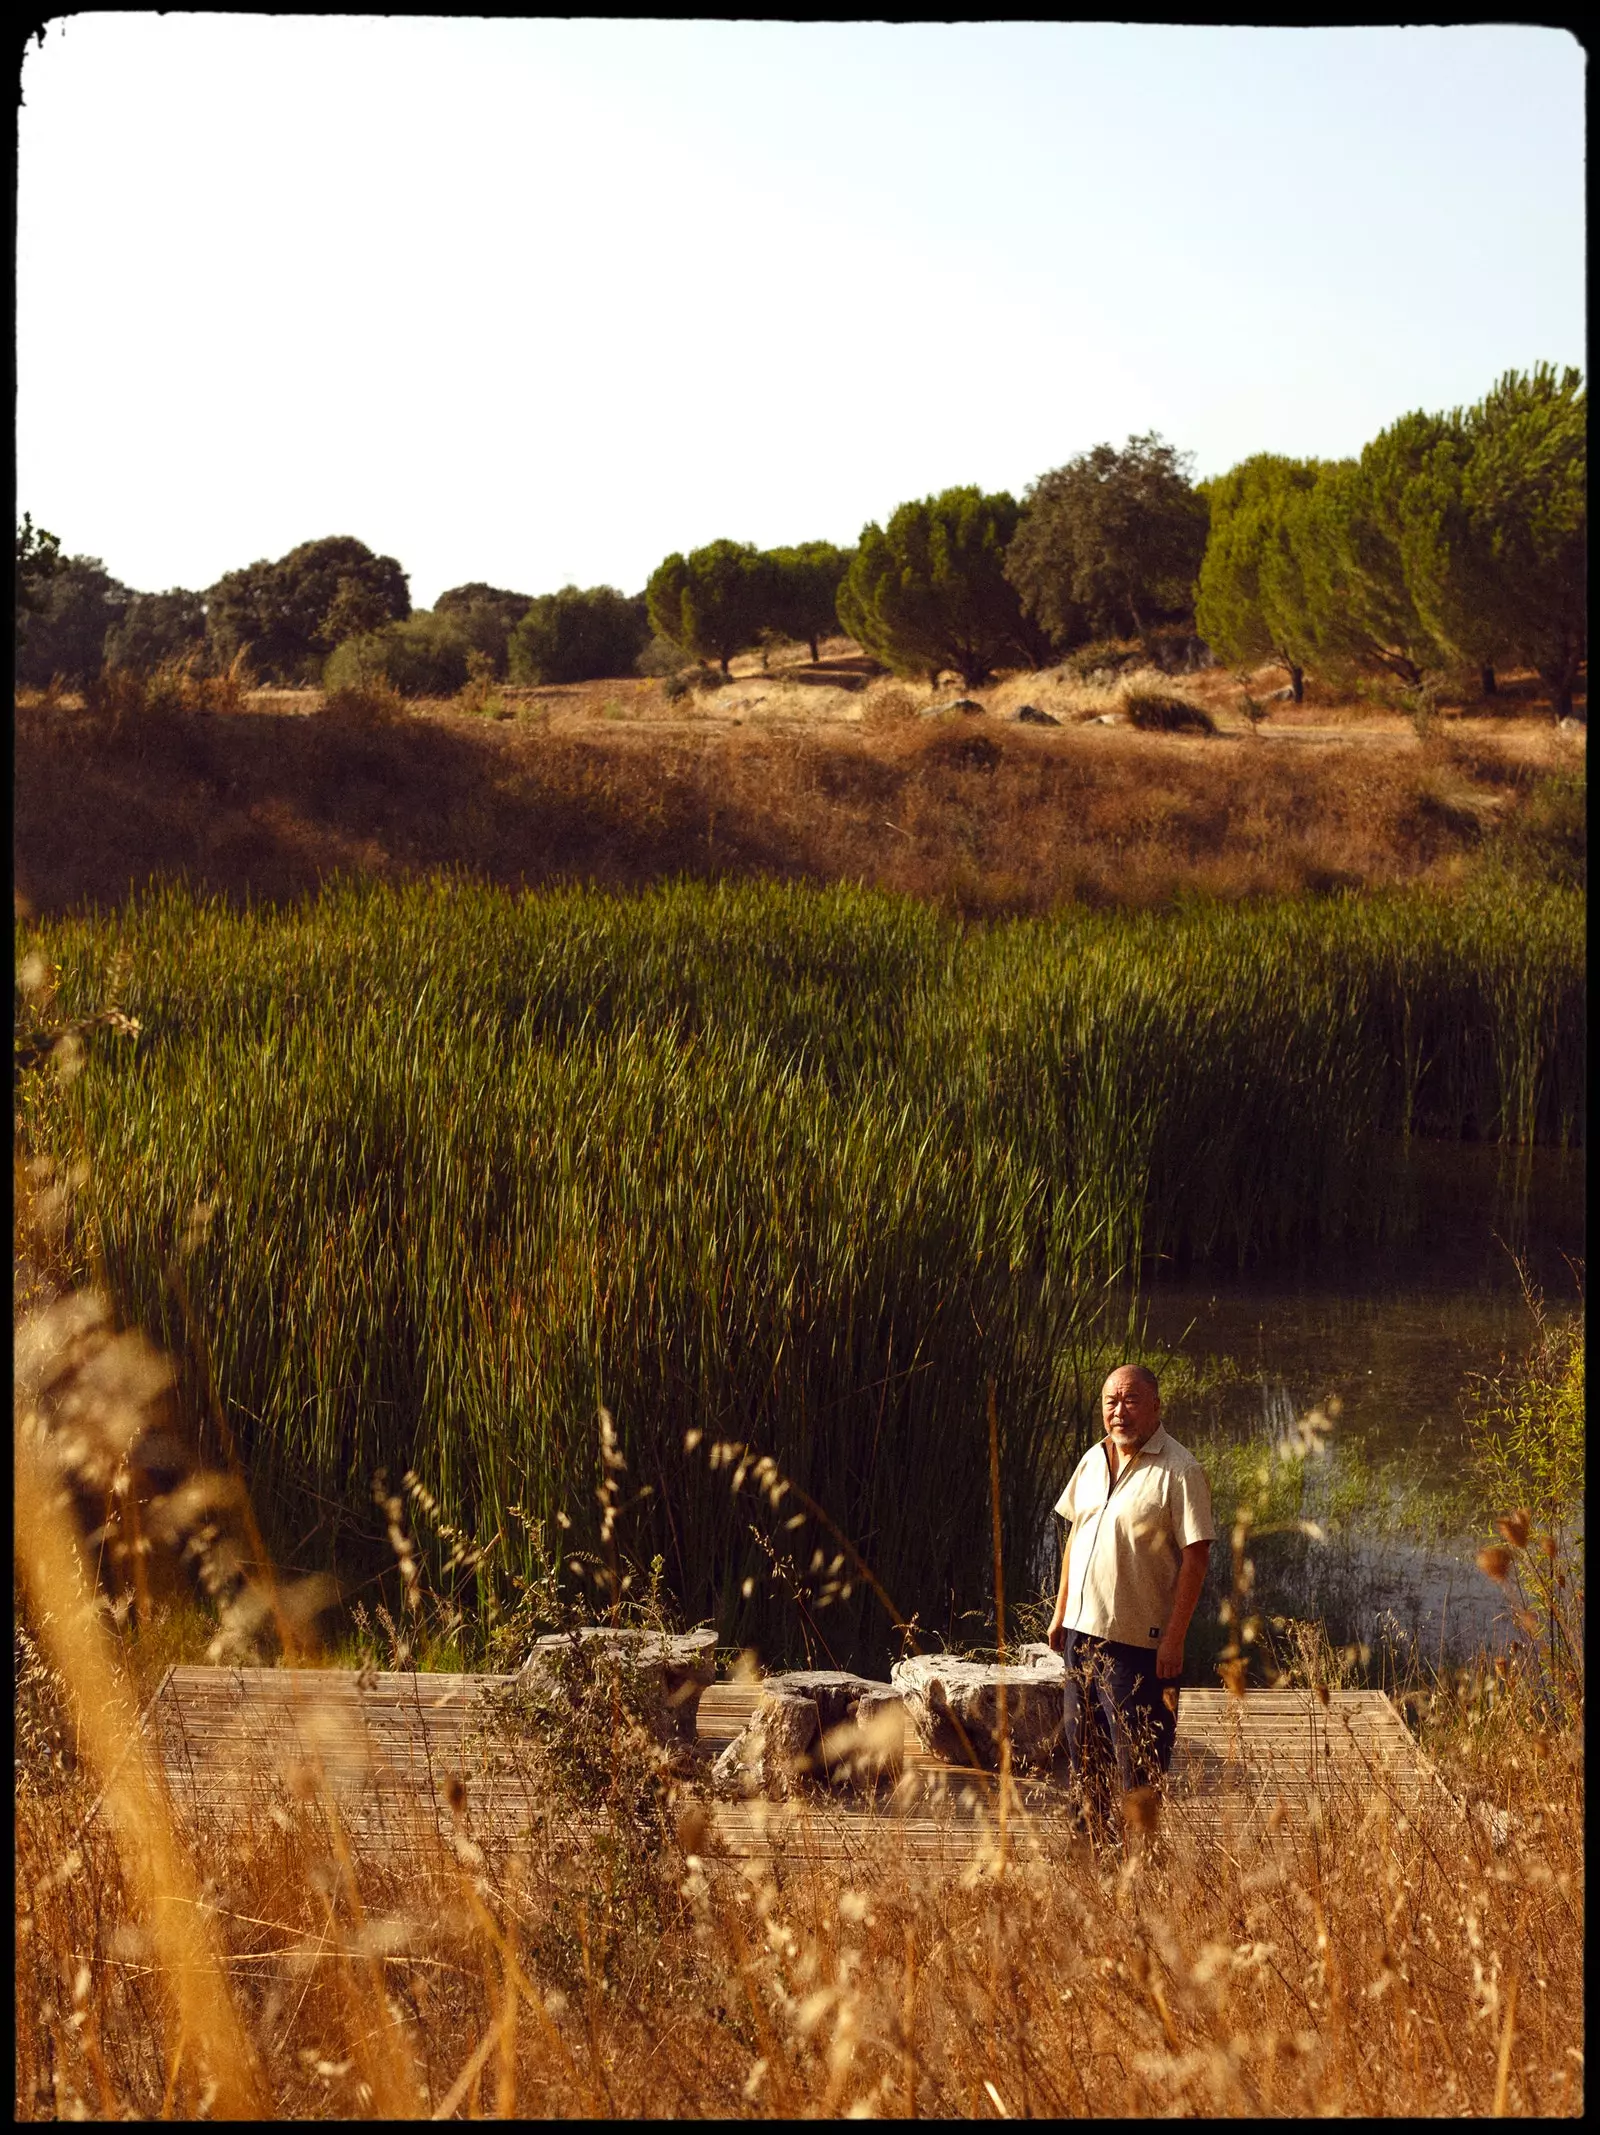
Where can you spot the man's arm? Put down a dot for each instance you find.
(1057, 1633)
(1191, 1578)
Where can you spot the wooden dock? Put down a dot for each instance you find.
(412, 1760)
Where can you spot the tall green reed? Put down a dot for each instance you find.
(801, 1170)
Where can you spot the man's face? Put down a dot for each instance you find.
(1131, 1409)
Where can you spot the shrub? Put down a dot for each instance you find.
(660, 657)
(581, 634)
(1105, 657)
(1155, 712)
(364, 705)
(175, 689)
(424, 656)
(486, 616)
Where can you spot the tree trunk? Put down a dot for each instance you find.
(1297, 682)
(1486, 678)
(933, 677)
(1142, 633)
(815, 655)
(725, 667)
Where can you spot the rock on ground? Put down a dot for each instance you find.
(954, 1705)
(806, 1725)
(675, 1667)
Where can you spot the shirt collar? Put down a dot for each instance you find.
(1153, 1444)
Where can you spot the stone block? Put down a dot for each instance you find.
(673, 1667)
(954, 1705)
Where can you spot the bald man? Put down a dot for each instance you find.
(1139, 1514)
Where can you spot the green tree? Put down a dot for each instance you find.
(78, 605)
(713, 601)
(930, 591)
(1448, 563)
(487, 615)
(1250, 603)
(282, 612)
(578, 635)
(358, 606)
(38, 557)
(1110, 543)
(1525, 491)
(803, 593)
(156, 628)
(1349, 536)
(423, 655)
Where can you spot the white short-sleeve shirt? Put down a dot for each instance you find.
(1128, 1537)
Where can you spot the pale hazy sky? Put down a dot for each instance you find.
(535, 301)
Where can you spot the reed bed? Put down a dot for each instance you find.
(419, 1178)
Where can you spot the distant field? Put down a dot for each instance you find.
(820, 774)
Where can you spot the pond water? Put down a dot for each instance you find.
(1395, 1341)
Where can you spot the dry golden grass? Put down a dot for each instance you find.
(1381, 1964)
(613, 783)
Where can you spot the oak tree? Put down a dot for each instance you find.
(1109, 544)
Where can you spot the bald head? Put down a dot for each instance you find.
(1142, 1373)
(1130, 1403)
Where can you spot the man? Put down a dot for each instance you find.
(1131, 1573)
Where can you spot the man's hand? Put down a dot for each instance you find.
(1057, 1635)
(1169, 1657)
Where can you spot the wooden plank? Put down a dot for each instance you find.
(383, 1747)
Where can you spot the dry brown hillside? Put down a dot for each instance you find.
(816, 773)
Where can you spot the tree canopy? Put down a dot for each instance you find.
(1110, 543)
(1362, 607)
(156, 628)
(486, 615)
(422, 655)
(1251, 604)
(289, 615)
(76, 606)
(803, 590)
(38, 557)
(580, 634)
(713, 602)
(1526, 521)
(929, 591)
(1455, 539)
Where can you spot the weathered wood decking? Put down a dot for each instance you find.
(393, 1752)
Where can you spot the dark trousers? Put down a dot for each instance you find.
(1119, 1726)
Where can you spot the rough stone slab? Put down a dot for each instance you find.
(870, 1746)
(805, 1726)
(834, 1691)
(773, 1752)
(954, 1704)
(676, 1666)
